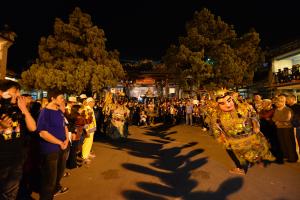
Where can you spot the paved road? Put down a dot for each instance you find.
(175, 162)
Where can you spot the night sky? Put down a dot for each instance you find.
(145, 28)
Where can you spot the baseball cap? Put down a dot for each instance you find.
(72, 99)
(83, 96)
(90, 99)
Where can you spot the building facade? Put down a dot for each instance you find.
(285, 68)
(5, 43)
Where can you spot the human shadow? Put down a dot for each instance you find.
(161, 132)
(226, 188)
(174, 170)
(171, 166)
(136, 147)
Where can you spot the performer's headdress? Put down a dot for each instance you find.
(221, 93)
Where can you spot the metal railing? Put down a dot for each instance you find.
(287, 75)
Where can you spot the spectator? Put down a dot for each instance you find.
(44, 102)
(257, 102)
(143, 119)
(189, 113)
(90, 130)
(173, 113)
(76, 125)
(15, 117)
(291, 101)
(71, 101)
(151, 112)
(282, 118)
(268, 127)
(54, 141)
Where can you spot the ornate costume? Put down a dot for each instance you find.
(236, 126)
(118, 122)
(117, 115)
(108, 104)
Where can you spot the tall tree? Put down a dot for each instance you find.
(212, 53)
(74, 58)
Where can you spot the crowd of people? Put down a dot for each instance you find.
(41, 138)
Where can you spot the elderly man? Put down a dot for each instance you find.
(71, 101)
(283, 121)
(90, 130)
(291, 102)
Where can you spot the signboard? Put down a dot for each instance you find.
(145, 81)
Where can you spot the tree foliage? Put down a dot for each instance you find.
(74, 59)
(7, 33)
(212, 53)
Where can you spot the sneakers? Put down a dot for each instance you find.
(62, 190)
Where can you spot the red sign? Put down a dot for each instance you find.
(145, 81)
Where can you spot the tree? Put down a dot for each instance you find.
(213, 54)
(74, 59)
(7, 33)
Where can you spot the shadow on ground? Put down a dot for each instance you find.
(172, 168)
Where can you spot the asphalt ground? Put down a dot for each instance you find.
(174, 162)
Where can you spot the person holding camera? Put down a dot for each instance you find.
(14, 119)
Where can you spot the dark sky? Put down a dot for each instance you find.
(144, 28)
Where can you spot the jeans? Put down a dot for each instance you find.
(72, 160)
(189, 119)
(53, 167)
(10, 177)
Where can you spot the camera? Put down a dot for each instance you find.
(10, 110)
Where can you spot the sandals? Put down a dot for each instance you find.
(62, 190)
(66, 174)
(237, 171)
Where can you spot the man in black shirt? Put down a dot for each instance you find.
(14, 118)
